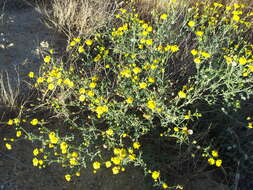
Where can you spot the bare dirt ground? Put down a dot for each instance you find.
(21, 32)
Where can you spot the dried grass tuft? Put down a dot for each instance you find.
(77, 17)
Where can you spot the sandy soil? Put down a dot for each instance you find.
(21, 32)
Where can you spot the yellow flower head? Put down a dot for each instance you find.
(82, 98)
(163, 16)
(191, 23)
(115, 170)
(68, 177)
(215, 153)
(143, 85)
(109, 132)
(96, 165)
(211, 161)
(53, 139)
(18, 133)
(182, 94)
(35, 152)
(34, 122)
(129, 100)
(31, 75)
(136, 70)
(88, 42)
(155, 175)
(108, 164)
(136, 145)
(218, 163)
(50, 86)
(199, 33)
(151, 104)
(8, 146)
(47, 59)
(35, 162)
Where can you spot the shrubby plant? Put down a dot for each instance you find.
(97, 103)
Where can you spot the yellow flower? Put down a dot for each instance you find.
(96, 165)
(145, 26)
(50, 86)
(100, 110)
(53, 139)
(116, 151)
(218, 163)
(163, 16)
(82, 90)
(108, 164)
(41, 162)
(78, 174)
(155, 175)
(151, 104)
(205, 54)
(199, 33)
(10, 122)
(125, 73)
(194, 52)
(151, 79)
(174, 48)
(236, 18)
(115, 170)
(116, 160)
(137, 70)
(136, 145)
(144, 33)
(80, 49)
(77, 40)
(18, 133)
(109, 132)
(150, 29)
(143, 85)
(81, 98)
(35, 162)
(73, 161)
(182, 94)
(93, 85)
(197, 60)
(47, 59)
(215, 153)
(8, 146)
(129, 100)
(68, 177)
(211, 161)
(191, 23)
(165, 186)
(243, 60)
(34, 122)
(149, 42)
(74, 154)
(90, 93)
(35, 152)
(97, 58)
(64, 147)
(40, 80)
(88, 42)
(31, 75)
(122, 153)
(72, 43)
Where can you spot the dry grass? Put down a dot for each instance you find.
(77, 17)
(146, 6)
(2, 9)
(8, 94)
